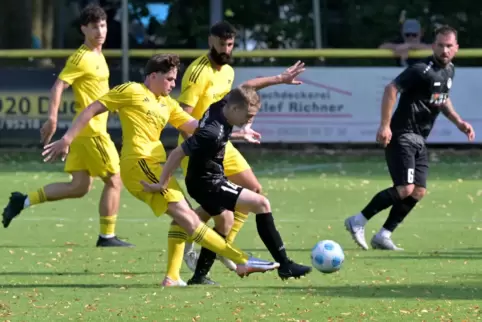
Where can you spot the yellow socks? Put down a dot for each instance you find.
(239, 219)
(107, 226)
(36, 197)
(176, 239)
(206, 237)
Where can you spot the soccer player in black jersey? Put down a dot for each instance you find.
(424, 92)
(206, 181)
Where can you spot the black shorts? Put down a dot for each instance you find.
(215, 197)
(407, 160)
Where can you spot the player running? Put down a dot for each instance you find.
(424, 92)
(144, 110)
(92, 153)
(207, 184)
(208, 79)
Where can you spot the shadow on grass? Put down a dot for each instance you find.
(85, 273)
(418, 291)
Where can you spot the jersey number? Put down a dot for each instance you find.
(231, 187)
(410, 175)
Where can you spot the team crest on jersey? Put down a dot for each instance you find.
(449, 83)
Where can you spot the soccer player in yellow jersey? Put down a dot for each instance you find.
(208, 79)
(144, 110)
(92, 153)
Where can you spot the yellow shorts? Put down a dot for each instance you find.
(234, 162)
(96, 155)
(135, 170)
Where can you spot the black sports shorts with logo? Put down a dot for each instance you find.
(215, 197)
(407, 160)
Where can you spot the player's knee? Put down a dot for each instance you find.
(419, 192)
(113, 181)
(224, 222)
(79, 188)
(405, 191)
(263, 206)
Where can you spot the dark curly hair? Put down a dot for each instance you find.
(92, 13)
(162, 63)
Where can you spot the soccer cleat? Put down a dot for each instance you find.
(255, 265)
(357, 232)
(201, 280)
(13, 208)
(385, 243)
(167, 282)
(190, 258)
(112, 242)
(227, 262)
(292, 269)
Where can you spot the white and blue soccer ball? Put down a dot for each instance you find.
(327, 256)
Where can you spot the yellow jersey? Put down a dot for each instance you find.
(143, 116)
(88, 74)
(203, 85)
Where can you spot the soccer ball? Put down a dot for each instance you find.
(327, 256)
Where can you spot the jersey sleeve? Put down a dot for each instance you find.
(178, 116)
(121, 95)
(193, 84)
(205, 140)
(72, 70)
(410, 78)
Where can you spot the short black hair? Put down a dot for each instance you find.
(163, 63)
(223, 30)
(445, 30)
(92, 13)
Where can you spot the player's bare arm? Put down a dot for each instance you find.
(384, 134)
(247, 134)
(188, 109)
(287, 77)
(61, 147)
(449, 111)
(49, 127)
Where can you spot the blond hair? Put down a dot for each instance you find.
(245, 96)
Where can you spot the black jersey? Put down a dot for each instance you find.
(424, 87)
(206, 146)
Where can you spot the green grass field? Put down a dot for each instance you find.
(50, 269)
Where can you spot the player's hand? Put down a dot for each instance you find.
(384, 135)
(251, 136)
(467, 128)
(290, 74)
(153, 187)
(47, 131)
(56, 149)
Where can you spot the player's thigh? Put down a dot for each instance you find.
(401, 163)
(224, 222)
(421, 167)
(251, 202)
(135, 171)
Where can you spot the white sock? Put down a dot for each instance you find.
(188, 247)
(385, 233)
(107, 236)
(26, 203)
(360, 219)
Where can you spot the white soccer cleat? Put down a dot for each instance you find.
(357, 231)
(190, 258)
(255, 265)
(167, 282)
(386, 243)
(227, 262)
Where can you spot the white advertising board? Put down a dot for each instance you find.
(342, 105)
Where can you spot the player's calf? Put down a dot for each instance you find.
(249, 201)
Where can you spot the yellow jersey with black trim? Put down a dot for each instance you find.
(88, 74)
(203, 85)
(143, 116)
